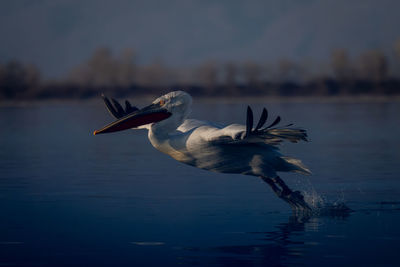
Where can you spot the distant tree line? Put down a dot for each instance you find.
(120, 75)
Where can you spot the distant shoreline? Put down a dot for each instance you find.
(219, 99)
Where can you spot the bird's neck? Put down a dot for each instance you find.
(163, 135)
(159, 137)
(172, 144)
(156, 135)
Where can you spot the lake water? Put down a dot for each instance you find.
(68, 198)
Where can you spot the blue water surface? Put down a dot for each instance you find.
(68, 198)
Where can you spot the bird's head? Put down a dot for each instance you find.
(166, 112)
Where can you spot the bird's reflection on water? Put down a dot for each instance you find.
(332, 236)
(281, 246)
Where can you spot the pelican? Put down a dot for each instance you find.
(235, 148)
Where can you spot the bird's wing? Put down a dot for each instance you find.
(191, 124)
(239, 134)
(116, 109)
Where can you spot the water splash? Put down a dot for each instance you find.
(320, 205)
(313, 199)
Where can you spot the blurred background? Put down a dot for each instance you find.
(76, 49)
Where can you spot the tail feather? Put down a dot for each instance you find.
(296, 165)
(292, 134)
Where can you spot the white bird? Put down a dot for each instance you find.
(234, 148)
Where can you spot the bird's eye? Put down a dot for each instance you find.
(162, 102)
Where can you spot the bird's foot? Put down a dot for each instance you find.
(296, 201)
(294, 198)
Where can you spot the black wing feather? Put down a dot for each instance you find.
(129, 108)
(249, 121)
(273, 135)
(263, 119)
(110, 107)
(116, 109)
(118, 106)
(276, 121)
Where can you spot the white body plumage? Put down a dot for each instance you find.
(219, 148)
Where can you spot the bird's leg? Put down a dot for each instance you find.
(294, 198)
(273, 186)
